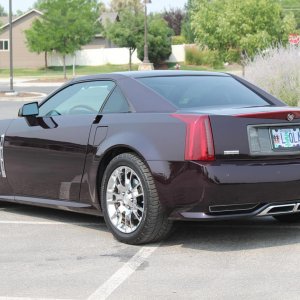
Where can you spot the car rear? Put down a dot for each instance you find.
(242, 148)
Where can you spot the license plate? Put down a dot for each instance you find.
(285, 138)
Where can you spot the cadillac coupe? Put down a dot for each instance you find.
(144, 149)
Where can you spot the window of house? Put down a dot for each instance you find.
(4, 45)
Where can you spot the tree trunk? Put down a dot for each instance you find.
(46, 60)
(130, 54)
(64, 67)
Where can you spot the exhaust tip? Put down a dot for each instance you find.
(280, 209)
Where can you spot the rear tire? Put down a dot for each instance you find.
(288, 218)
(130, 202)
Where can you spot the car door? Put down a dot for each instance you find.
(45, 155)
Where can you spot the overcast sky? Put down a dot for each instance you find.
(155, 6)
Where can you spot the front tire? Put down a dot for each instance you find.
(130, 202)
(288, 218)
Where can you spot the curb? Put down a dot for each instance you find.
(36, 96)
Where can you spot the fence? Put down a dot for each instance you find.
(114, 56)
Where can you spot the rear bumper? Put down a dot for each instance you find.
(221, 190)
(262, 210)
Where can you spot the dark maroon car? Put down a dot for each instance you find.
(146, 148)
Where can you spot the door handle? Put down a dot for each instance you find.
(97, 119)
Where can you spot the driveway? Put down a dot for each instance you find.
(49, 254)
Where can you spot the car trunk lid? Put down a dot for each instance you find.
(254, 132)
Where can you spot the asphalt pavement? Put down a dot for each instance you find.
(27, 85)
(9, 105)
(49, 254)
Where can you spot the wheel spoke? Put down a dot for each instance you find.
(123, 188)
(136, 215)
(136, 193)
(141, 209)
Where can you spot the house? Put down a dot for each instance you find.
(22, 57)
(99, 40)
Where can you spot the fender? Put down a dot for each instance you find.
(134, 132)
(5, 187)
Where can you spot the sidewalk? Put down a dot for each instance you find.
(31, 81)
(26, 82)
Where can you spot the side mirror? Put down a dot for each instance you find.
(29, 110)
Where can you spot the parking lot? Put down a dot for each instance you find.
(50, 254)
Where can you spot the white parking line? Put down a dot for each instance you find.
(199, 226)
(249, 226)
(48, 223)
(22, 298)
(109, 286)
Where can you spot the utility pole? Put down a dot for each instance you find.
(146, 58)
(11, 68)
(146, 65)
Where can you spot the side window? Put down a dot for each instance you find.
(116, 103)
(77, 99)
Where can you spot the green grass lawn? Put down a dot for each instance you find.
(57, 72)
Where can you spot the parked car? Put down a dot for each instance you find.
(144, 149)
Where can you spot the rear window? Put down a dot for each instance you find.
(203, 91)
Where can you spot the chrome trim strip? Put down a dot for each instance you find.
(265, 212)
(231, 152)
(59, 203)
(211, 208)
(2, 166)
(297, 207)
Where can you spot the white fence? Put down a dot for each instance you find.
(114, 56)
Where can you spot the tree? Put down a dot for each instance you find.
(3, 13)
(65, 26)
(120, 5)
(292, 6)
(20, 12)
(128, 32)
(249, 25)
(159, 40)
(37, 38)
(186, 28)
(37, 4)
(174, 18)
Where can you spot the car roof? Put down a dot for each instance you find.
(141, 74)
(158, 73)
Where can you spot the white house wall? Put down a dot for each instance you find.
(114, 56)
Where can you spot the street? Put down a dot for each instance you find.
(50, 254)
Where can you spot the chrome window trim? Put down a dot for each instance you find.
(2, 166)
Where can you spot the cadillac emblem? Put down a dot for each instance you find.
(290, 117)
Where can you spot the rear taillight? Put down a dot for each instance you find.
(199, 144)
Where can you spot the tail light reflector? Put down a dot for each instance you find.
(199, 143)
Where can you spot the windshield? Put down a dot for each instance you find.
(204, 91)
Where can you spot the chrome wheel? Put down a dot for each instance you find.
(125, 199)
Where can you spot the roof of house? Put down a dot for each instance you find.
(5, 21)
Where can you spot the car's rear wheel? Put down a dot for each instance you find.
(288, 218)
(130, 202)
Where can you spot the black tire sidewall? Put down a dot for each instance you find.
(128, 161)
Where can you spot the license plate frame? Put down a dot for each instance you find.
(285, 139)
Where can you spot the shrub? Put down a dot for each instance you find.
(233, 56)
(276, 70)
(178, 40)
(195, 56)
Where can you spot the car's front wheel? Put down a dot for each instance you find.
(130, 202)
(288, 218)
